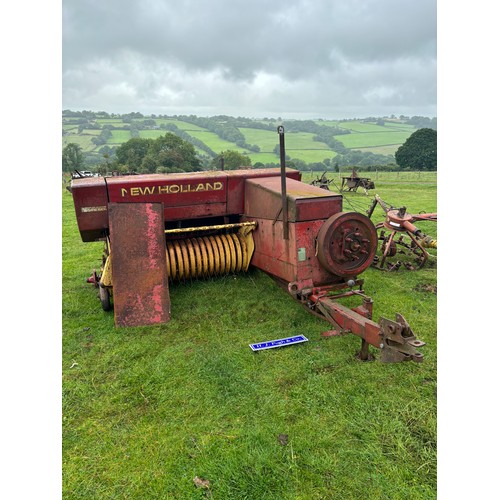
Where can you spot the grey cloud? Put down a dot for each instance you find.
(328, 55)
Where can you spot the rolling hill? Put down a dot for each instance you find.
(308, 141)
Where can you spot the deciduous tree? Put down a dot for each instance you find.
(72, 157)
(419, 151)
(232, 160)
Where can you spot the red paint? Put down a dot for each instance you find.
(190, 195)
(140, 281)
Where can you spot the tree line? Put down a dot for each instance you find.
(171, 153)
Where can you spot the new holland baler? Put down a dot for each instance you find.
(159, 228)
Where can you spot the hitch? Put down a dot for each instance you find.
(398, 343)
(395, 339)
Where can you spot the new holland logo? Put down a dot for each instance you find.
(172, 189)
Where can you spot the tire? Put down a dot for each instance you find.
(105, 298)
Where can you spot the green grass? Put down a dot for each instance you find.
(84, 141)
(303, 140)
(369, 139)
(119, 136)
(188, 127)
(381, 150)
(147, 409)
(361, 127)
(214, 142)
(298, 145)
(151, 134)
(263, 157)
(265, 139)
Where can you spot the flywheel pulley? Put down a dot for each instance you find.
(347, 243)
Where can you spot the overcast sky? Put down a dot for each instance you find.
(254, 58)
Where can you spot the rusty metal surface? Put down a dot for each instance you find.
(354, 181)
(304, 202)
(189, 195)
(398, 342)
(140, 281)
(402, 244)
(395, 339)
(284, 199)
(292, 260)
(91, 207)
(347, 243)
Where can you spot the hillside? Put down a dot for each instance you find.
(313, 144)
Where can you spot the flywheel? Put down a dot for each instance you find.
(347, 243)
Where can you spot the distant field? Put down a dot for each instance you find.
(311, 156)
(110, 121)
(381, 150)
(214, 142)
(367, 137)
(186, 126)
(363, 140)
(119, 136)
(151, 134)
(402, 126)
(84, 141)
(265, 139)
(361, 127)
(303, 140)
(299, 145)
(263, 157)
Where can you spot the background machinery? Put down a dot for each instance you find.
(402, 244)
(159, 228)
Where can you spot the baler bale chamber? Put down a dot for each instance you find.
(159, 228)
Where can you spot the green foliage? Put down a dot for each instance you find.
(419, 151)
(305, 141)
(232, 160)
(72, 157)
(132, 152)
(167, 152)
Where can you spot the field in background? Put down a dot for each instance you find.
(148, 409)
(369, 137)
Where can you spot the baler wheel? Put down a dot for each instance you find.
(105, 298)
(347, 243)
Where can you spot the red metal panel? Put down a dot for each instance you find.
(173, 190)
(294, 259)
(91, 206)
(195, 211)
(236, 185)
(305, 202)
(140, 281)
(188, 195)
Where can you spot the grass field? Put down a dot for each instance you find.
(148, 409)
(368, 139)
(383, 139)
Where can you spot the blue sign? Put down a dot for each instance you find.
(278, 343)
